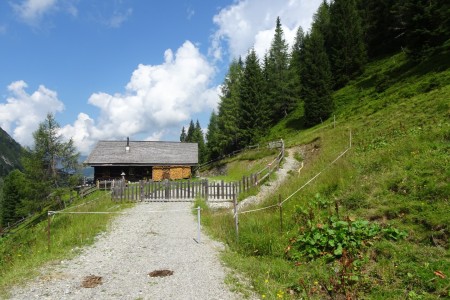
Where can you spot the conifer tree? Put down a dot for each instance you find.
(190, 132)
(316, 79)
(321, 23)
(295, 64)
(49, 166)
(277, 69)
(253, 116)
(228, 112)
(381, 27)
(347, 48)
(212, 138)
(13, 193)
(200, 140)
(183, 135)
(424, 24)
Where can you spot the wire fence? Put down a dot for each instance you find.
(281, 201)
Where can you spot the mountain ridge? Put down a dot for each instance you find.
(10, 153)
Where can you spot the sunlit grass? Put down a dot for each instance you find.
(396, 173)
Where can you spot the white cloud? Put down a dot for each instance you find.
(118, 18)
(31, 11)
(190, 13)
(251, 23)
(22, 112)
(156, 99)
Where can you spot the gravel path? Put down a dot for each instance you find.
(138, 243)
(290, 164)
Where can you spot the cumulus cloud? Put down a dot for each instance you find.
(22, 112)
(156, 99)
(251, 23)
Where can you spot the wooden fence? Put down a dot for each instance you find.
(189, 190)
(173, 191)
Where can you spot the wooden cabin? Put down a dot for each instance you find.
(143, 160)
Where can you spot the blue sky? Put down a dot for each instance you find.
(109, 69)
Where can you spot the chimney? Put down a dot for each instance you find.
(127, 148)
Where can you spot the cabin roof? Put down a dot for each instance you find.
(143, 153)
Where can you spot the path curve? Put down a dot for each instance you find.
(266, 189)
(138, 243)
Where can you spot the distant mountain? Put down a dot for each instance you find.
(10, 154)
(86, 171)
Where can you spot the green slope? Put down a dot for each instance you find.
(396, 176)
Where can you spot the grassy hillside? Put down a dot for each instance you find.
(10, 152)
(376, 223)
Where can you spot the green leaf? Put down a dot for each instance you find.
(338, 251)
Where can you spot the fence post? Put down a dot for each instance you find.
(49, 215)
(280, 205)
(236, 220)
(206, 189)
(199, 224)
(189, 189)
(167, 188)
(350, 138)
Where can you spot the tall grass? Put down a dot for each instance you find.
(396, 174)
(24, 251)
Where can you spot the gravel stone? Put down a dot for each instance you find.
(139, 242)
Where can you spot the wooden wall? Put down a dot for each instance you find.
(172, 172)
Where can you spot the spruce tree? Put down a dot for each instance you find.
(190, 132)
(424, 24)
(13, 194)
(295, 65)
(277, 68)
(253, 113)
(381, 27)
(228, 112)
(200, 140)
(316, 80)
(183, 135)
(321, 23)
(347, 48)
(213, 149)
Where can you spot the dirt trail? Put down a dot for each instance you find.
(290, 164)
